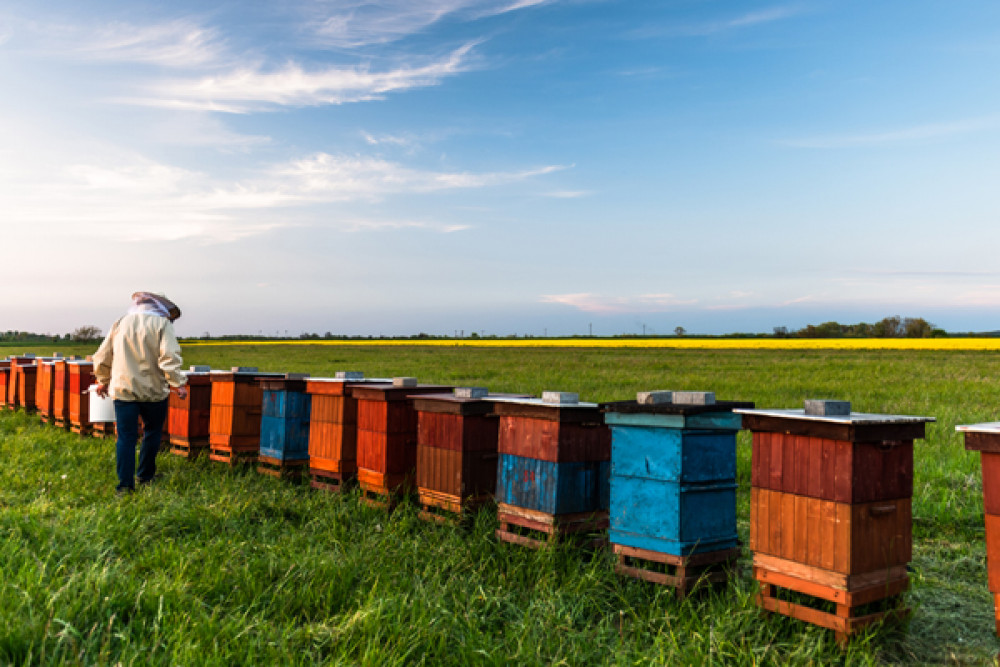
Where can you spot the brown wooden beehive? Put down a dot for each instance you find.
(234, 418)
(830, 514)
(188, 418)
(81, 376)
(985, 439)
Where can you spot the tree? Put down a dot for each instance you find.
(917, 327)
(679, 331)
(87, 334)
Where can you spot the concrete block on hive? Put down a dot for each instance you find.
(349, 375)
(827, 408)
(404, 382)
(471, 392)
(244, 369)
(296, 376)
(200, 369)
(654, 397)
(694, 397)
(560, 397)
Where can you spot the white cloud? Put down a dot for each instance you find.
(249, 89)
(608, 305)
(175, 44)
(899, 135)
(366, 22)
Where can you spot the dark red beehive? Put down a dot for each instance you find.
(387, 435)
(985, 439)
(188, 418)
(81, 376)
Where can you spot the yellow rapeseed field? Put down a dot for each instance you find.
(667, 343)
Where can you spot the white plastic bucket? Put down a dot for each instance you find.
(101, 409)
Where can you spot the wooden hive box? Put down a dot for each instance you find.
(673, 476)
(838, 527)
(4, 382)
(81, 376)
(45, 389)
(26, 378)
(188, 418)
(456, 450)
(387, 435)
(552, 488)
(985, 439)
(284, 428)
(235, 416)
(60, 393)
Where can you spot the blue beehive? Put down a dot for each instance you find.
(284, 424)
(673, 476)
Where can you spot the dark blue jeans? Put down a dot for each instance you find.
(127, 415)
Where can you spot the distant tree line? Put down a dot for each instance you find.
(888, 327)
(85, 334)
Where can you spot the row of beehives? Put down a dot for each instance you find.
(830, 524)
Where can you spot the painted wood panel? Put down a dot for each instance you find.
(284, 427)
(849, 539)
(837, 470)
(554, 441)
(672, 454)
(551, 487)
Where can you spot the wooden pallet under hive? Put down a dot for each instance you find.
(683, 573)
(531, 528)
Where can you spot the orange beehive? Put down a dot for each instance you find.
(81, 376)
(234, 418)
(60, 393)
(45, 389)
(830, 512)
(188, 418)
(333, 431)
(985, 439)
(387, 437)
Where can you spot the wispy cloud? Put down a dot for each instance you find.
(609, 305)
(705, 28)
(568, 194)
(906, 134)
(176, 44)
(366, 22)
(247, 90)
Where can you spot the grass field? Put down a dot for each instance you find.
(225, 567)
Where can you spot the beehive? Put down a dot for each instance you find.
(60, 393)
(553, 470)
(457, 435)
(45, 386)
(234, 419)
(21, 392)
(188, 418)
(81, 376)
(985, 439)
(387, 437)
(830, 513)
(4, 382)
(284, 428)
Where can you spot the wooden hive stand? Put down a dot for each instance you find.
(448, 508)
(683, 573)
(281, 468)
(534, 529)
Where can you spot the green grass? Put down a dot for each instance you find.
(214, 566)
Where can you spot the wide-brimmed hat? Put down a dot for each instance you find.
(169, 308)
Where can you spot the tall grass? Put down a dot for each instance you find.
(220, 566)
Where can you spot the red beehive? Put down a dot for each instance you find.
(188, 418)
(985, 439)
(557, 433)
(456, 467)
(24, 377)
(234, 418)
(830, 511)
(81, 376)
(4, 382)
(387, 435)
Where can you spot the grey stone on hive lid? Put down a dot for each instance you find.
(349, 375)
(560, 397)
(404, 382)
(28, 355)
(694, 398)
(654, 397)
(471, 392)
(244, 369)
(200, 369)
(827, 408)
(296, 376)
(57, 355)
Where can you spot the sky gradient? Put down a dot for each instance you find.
(543, 167)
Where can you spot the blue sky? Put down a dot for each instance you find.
(505, 166)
